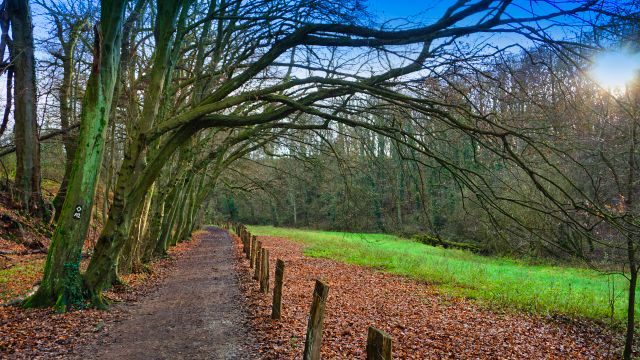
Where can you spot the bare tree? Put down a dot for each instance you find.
(27, 184)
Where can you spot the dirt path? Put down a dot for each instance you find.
(196, 314)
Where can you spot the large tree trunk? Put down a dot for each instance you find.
(143, 225)
(61, 285)
(102, 270)
(167, 223)
(153, 234)
(130, 257)
(27, 185)
(69, 138)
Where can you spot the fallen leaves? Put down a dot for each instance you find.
(27, 333)
(424, 324)
(20, 275)
(41, 333)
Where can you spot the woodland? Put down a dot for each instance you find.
(502, 131)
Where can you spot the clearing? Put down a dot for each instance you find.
(538, 289)
(423, 322)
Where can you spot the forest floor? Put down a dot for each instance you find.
(203, 303)
(186, 306)
(44, 334)
(424, 322)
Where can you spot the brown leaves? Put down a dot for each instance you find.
(424, 324)
(19, 275)
(29, 333)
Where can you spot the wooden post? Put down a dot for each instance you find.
(243, 238)
(276, 308)
(256, 274)
(246, 242)
(313, 342)
(264, 272)
(256, 260)
(249, 248)
(252, 259)
(378, 345)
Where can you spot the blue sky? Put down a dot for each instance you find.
(398, 8)
(612, 68)
(429, 10)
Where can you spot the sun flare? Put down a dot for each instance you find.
(614, 70)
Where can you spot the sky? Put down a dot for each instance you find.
(613, 68)
(399, 8)
(421, 12)
(427, 10)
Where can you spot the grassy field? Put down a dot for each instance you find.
(507, 283)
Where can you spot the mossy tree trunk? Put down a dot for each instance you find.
(167, 223)
(102, 271)
(61, 285)
(69, 139)
(157, 219)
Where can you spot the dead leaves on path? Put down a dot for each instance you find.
(423, 323)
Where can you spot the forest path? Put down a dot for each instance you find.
(196, 314)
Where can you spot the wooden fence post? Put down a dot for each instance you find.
(249, 248)
(243, 237)
(256, 274)
(276, 308)
(246, 242)
(313, 342)
(378, 345)
(252, 258)
(264, 272)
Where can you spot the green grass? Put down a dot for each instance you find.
(540, 289)
(18, 279)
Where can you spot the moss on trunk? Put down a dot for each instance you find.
(60, 283)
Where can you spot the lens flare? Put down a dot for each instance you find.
(614, 70)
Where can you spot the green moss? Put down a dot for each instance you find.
(72, 295)
(508, 283)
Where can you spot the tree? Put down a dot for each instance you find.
(61, 284)
(69, 28)
(27, 184)
(245, 93)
